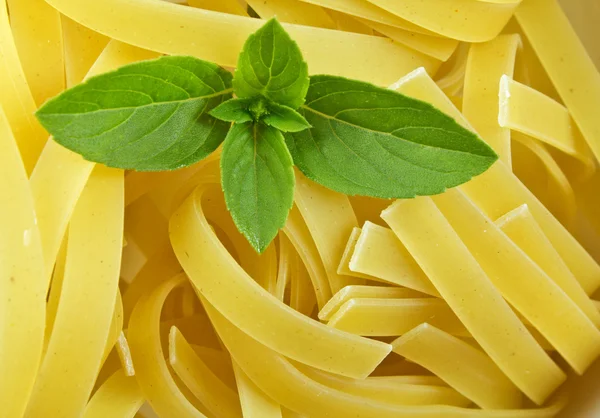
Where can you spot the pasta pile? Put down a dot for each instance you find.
(129, 294)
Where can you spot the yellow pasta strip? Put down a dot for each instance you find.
(139, 183)
(524, 284)
(330, 219)
(451, 76)
(261, 267)
(529, 68)
(124, 353)
(414, 380)
(288, 413)
(465, 20)
(486, 64)
(293, 11)
(37, 32)
(55, 290)
(226, 6)
(537, 115)
(382, 317)
(472, 296)
(348, 23)
(255, 404)
(22, 283)
(520, 226)
(200, 252)
(182, 27)
(284, 269)
(60, 175)
(188, 301)
(291, 388)
(68, 371)
(164, 191)
(344, 266)
(364, 9)
(82, 48)
(16, 98)
(146, 226)
(435, 46)
(302, 295)
(218, 361)
(133, 261)
(368, 208)
(390, 391)
(539, 171)
(209, 171)
(155, 380)
(379, 253)
(217, 397)
(465, 368)
(116, 327)
(498, 191)
(197, 328)
(119, 397)
(566, 61)
(160, 266)
(353, 292)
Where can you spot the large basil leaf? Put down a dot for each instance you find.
(366, 140)
(151, 115)
(271, 65)
(258, 181)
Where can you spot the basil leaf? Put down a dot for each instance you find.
(151, 115)
(370, 141)
(233, 110)
(284, 118)
(258, 181)
(271, 65)
(258, 109)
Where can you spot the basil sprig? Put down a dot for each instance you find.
(350, 136)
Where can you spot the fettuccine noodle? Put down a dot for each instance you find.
(133, 294)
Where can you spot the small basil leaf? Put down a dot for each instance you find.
(233, 110)
(371, 141)
(285, 118)
(271, 65)
(258, 181)
(147, 116)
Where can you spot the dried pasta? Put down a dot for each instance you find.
(133, 294)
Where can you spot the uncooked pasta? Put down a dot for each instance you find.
(129, 293)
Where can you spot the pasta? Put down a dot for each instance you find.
(352, 292)
(540, 172)
(392, 264)
(526, 110)
(362, 354)
(473, 298)
(486, 63)
(23, 280)
(322, 56)
(391, 317)
(41, 47)
(119, 396)
(464, 367)
(577, 83)
(134, 294)
(17, 99)
(520, 226)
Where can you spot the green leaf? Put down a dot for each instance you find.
(258, 181)
(371, 141)
(271, 65)
(147, 116)
(259, 109)
(285, 118)
(233, 110)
